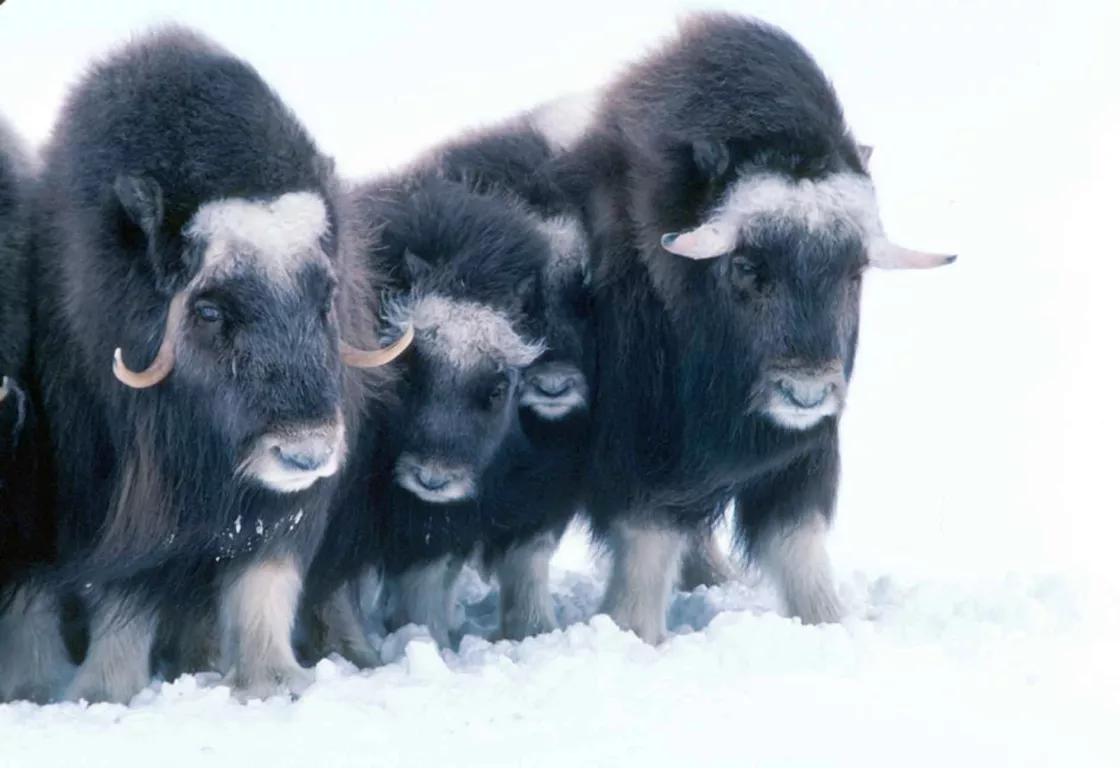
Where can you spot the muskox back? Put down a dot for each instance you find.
(199, 313)
(731, 218)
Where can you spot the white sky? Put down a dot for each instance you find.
(983, 431)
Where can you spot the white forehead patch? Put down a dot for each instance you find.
(844, 201)
(568, 245)
(277, 235)
(564, 121)
(462, 332)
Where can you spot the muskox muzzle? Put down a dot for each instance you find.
(554, 389)
(434, 481)
(797, 395)
(295, 458)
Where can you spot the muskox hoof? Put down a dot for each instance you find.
(361, 654)
(824, 608)
(293, 681)
(41, 687)
(516, 627)
(97, 684)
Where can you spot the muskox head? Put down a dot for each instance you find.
(251, 330)
(555, 385)
(462, 382)
(784, 256)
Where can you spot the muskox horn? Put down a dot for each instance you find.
(360, 358)
(708, 241)
(3, 388)
(165, 358)
(891, 256)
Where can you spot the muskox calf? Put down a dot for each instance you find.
(732, 221)
(195, 320)
(469, 269)
(540, 490)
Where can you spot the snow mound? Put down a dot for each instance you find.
(1021, 671)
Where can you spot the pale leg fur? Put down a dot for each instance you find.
(796, 559)
(343, 629)
(118, 663)
(425, 595)
(34, 663)
(705, 565)
(646, 563)
(526, 602)
(258, 611)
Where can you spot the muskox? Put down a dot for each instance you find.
(470, 268)
(204, 347)
(25, 533)
(732, 220)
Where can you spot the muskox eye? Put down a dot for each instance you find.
(498, 393)
(207, 312)
(743, 266)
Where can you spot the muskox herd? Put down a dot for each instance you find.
(248, 405)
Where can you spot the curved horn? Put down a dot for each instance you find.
(360, 358)
(891, 256)
(4, 388)
(165, 358)
(708, 241)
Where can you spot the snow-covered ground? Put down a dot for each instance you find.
(978, 514)
(1019, 671)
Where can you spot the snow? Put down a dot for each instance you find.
(977, 521)
(1013, 671)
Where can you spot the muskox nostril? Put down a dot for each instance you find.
(805, 394)
(430, 479)
(303, 458)
(553, 386)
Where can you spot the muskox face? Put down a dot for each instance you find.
(253, 335)
(786, 258)
(462, 382)
(555, 386)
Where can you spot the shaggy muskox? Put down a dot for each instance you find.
(732, 221)
(25, 533)
(468, 269)
(201, 390)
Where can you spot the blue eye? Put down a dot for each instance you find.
(207, 312)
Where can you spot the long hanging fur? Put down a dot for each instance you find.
(154, 503)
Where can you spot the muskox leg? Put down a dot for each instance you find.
(34, 663)
(190, 636)
(339, 624)
(425, 595)
(526, 602)
(118, 663)
(258, 611)
(705, 565)
(794, 556)
(646, 564)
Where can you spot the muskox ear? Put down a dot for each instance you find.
(712, 157)
(415, 267)
(865, 152)
(142, 200)
(526, 292)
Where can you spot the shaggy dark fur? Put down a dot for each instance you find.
(19, 538)
(441, 239)
(155, 502)
(690, 352)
